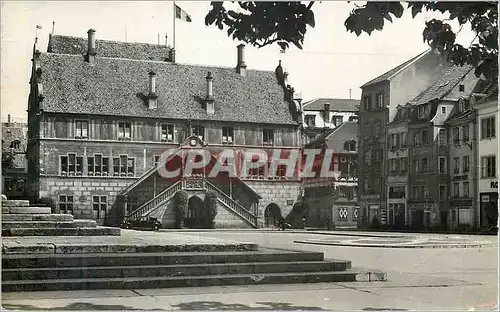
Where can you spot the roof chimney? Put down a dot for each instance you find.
(152, 96)
(91, 51)
(241, 67)
(326, 113)
(8, 119)
(209, 98)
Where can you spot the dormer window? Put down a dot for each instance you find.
(337, 120)
(310, 120)
(350, 146)
(461, 88)
(443, 109)
(167, 133)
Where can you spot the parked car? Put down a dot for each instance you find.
(144, 223)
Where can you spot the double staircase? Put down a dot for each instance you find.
(21, 219)
(198, 183)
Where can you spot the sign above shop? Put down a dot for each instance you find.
(494, 184)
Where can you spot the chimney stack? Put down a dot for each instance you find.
(8, 119)
(209, 98)
(91, 51)
(152, 96)
(241, 67)
(285, 78)
(326, 113)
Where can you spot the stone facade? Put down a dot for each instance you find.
(97, 160)
(283, 194)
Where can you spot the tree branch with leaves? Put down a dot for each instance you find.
(266, 23)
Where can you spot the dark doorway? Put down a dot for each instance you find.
(444, 220)
(417, 219)
(271, 215)
(194, 218)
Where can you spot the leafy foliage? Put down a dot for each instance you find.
(211, 207)
(266, 23)
(299, 210)
(181, 206)
(48, 202)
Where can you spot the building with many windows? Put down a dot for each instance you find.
(487, 155)
(102, 112)
(379, 101)
(322, 114)
(430, 203)
(333, 201)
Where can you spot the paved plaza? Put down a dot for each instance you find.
(453, 278)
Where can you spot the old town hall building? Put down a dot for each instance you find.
(102, 112)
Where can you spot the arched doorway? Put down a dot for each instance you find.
(271, 215)
(195, 210)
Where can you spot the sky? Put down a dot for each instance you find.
(333, 63)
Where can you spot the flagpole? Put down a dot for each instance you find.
(173, 45)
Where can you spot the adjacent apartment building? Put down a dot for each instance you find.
(487, 154)
(14, 162)
(102, 112)
(333, 201)
(323, 114)
(380, 98)
(443, 106)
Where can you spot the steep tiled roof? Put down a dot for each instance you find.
(338, 105)
(105, 48)
(336, 138)
(11, 133)
(390, 73)
(348, 131)
(118, 87)
(443, 85)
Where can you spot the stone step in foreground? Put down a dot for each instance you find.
(192, 281)
(133, 258)
(80, 231)
(26, 210)
(6, 225)
(21, 219)
(15, 203)
(172, 270)
(37, 217)
(129, 270)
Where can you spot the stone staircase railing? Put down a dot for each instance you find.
(149, 206)
(236, 208)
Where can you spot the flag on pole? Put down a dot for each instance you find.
(38, 27)
(182, 15)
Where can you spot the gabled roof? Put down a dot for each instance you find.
(118, 87)
(336, 138)
(389, 74)
(337, 105)
(348, 131)
(443, 85)
(105, 48)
